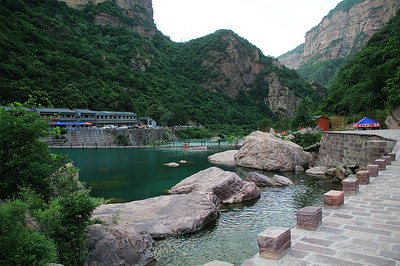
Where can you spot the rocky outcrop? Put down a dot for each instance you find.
(227, 186)
(393, 119)
(281, 99)
(114, 245)
(162, 216)
(266, 152)
(225, 157)
(261, 180)
(235, 68)
(238, 69)
(139, 10)
(343, 31)
(294, 58)
(128, 6)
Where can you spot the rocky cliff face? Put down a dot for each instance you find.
(236, 65)
(281, 99)
(239, 67)
(343, 31)
(140, 10)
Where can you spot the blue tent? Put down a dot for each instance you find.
(367, 122)
(58, 123)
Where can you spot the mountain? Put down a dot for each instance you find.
(369, 81)
(109, 55)
(342, 32)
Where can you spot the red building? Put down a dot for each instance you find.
(323, 122)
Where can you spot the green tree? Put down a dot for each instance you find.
(19, 244)
(24, 159)
(65, 221)
(304, 114)
(35, 183)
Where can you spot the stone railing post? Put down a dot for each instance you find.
(274, 243)
(333, 199)
(309, 218)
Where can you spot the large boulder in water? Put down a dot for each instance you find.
(162, 216)
(114, 245)
(261, 180)
(227, 186)
(264, 151)
(225, 157)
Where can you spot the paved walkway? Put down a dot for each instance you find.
(364, 231)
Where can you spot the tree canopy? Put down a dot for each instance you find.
(369, 80)
(44, 210)
(62, 58)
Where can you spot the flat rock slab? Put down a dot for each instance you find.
(227, 186)
(225, 157)
(163, 216)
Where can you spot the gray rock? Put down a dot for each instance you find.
(281, 181)
(331, 172)
(393, 119)
(259, 179)
(262, 180)
(226, 157)
(299, 169)
(163, 216)
(227, 186)
(114, 245)
(343, 170)
(317, 171)
(340, 172)
(267, 152)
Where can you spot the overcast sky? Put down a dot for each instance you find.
(274, 26)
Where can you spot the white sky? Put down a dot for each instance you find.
(274, 26)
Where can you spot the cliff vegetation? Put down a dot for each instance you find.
(99, 58)
(369, 81)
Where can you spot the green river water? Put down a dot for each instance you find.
(134, 174)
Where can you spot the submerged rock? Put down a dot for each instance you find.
(163, 216)
(267, 152)
(227, 186)
(225, 157)
(115, 245)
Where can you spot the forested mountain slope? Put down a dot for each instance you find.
(105, 57)
(370, 80)
(344, 31)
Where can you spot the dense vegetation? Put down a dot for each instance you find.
(61, 58)
(44, 210)
(370, 80)
(321, 72)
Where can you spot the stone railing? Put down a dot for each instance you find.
(346, 147)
